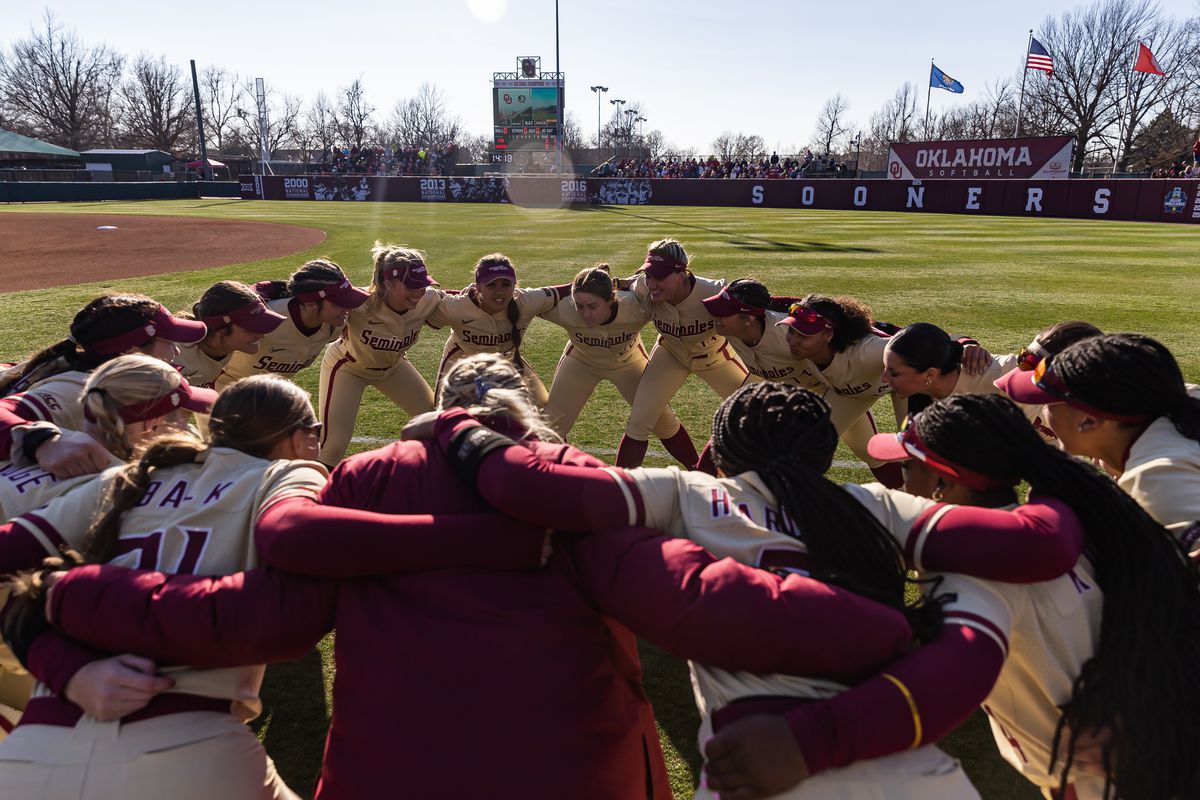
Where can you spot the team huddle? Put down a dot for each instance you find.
(177, 515)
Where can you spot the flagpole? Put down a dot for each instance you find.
(1024, 74)
(928, 92)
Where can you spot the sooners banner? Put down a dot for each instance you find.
(1045, 158)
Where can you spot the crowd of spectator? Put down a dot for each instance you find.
(1179, 169)
(801, 166)
(385, 161)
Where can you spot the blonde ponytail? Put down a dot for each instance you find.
(490, 387)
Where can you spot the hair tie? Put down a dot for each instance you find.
(482, 387)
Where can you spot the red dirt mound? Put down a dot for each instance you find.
(42, 250)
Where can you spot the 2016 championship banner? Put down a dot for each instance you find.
(1147, 200)
(1042, 158)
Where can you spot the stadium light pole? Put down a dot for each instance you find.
(559, 82)
(599, 90)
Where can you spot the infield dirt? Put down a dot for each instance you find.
(43, 250)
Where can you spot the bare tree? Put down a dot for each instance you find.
(896, 121)
(282, 118)
(156, 107)
(424, 121)
(320, 123)
(219, 93)
(55, 87)
(573, 137)
(1144, 95)
(831, 124)
(1091, 47)
(478, 148)
(353, 118)
(730, 145)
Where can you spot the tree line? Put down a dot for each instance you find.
(56, 87)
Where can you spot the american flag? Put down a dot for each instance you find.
(1038, 57)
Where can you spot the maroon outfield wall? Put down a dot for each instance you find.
(1142, 200)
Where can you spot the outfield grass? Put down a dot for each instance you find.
(1000, 279)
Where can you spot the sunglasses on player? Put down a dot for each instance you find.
(1031, 355)
(809, 316)
(1046, 379)
(916, 447)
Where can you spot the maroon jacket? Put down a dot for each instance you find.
(526, 675)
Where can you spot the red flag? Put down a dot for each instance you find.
(1145, 61)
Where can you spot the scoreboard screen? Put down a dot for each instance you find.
(525, 112)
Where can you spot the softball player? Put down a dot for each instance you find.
(922, 360)
(317, 300)
(761, 338)
(187, 508)
(491, 316)
(127, 401)
(1100, 660)
(604, 342)
(776, 511)
(687, 343)
(237, 320)
(1121, 398)
(371, 351)
(43, 393)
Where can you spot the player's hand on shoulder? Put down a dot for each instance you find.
(975, 359)
(71, 454)
(753, 757)
(420, 426)
(115, 687)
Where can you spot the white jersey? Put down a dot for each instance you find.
(687, 331)
(1162, 473)
(985, 383)
(199, 368)
(611, 345)
(771, 360)
(474, 330)
(284, 351)
(195, 519)
(57, 399)
(376, 338)
(24, 488)
(1049, 630)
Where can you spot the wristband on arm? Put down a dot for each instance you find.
(468, 447)
(36, 439)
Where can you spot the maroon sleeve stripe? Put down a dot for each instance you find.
(911, 553)
(980, 622)
(36, 406)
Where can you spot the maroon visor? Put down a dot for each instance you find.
(485, 274)
(161, 326)
(254, 317)
(907, 444)
(724, 304)
(193, 398)
(344, 294)
(414, 276)
(659, 266)
(806, 321)
(1043, 386)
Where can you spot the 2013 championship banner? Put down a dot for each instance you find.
(1043, 158)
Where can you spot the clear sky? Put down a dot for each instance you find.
(698, 68)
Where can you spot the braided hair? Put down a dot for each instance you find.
(492, 388)
(103, 318)
(124, 381)
(312, 276)
(1139, 686)
(1128, 373)
(784, 433)
(252, 415)
(223, 297)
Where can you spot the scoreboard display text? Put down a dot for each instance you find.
(525, 112)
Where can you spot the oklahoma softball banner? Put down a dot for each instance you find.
(1043, 158)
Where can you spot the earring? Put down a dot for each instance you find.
(929, 381)
(1079, 427)
(939, 492)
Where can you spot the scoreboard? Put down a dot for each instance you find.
(525, 113)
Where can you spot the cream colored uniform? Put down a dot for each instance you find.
(612, 351)
(687, 343)
(1162, 473)
(371, 352)
(284, 351)
(1049, 630)
(199, 368)
(22, 488)
(57, 399)
(738, 517)
(474, 331)
(196, 519)
(771, 360)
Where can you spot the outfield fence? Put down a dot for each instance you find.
(1149, 200)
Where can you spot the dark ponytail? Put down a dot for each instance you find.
(784, 433)
(312, 276)
(923, 345)
(1140, 685)
(1128, 373)
(103, 318)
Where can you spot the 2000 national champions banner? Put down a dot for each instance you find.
(1042, 158)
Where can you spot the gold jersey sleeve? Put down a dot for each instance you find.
(771, 360)
(24, 488)
(57, 399)
(608, 346)
(376, 338)
(1162, 473)
(985, 382)
(199, 368)
(284, 351)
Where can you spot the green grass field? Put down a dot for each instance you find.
(1000, 279)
